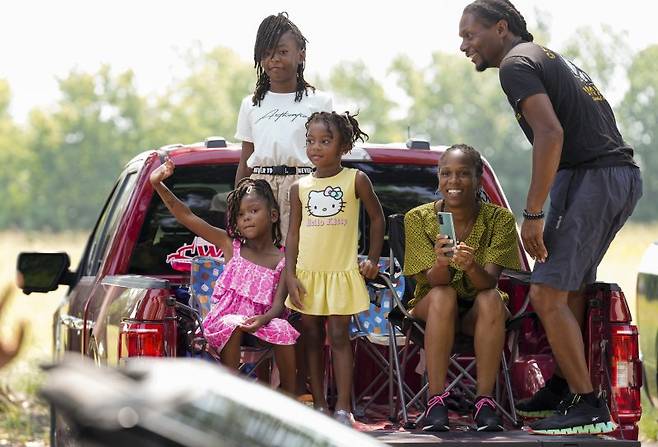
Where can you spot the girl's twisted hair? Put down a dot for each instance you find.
(346, 124)
(250, 186)
(491, 11)
(267, 38)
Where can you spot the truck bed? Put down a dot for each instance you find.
(376, 424)
(461, 436)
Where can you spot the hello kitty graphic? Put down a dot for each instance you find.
(325, 203)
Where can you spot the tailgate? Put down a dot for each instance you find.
(516, 438)
(129, 299)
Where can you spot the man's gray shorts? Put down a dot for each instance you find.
(588, 207)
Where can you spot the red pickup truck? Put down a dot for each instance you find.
(125, 295)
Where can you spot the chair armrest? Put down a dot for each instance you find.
(384, 278)
(517, 275)
(515, 321)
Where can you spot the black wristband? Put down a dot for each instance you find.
(533, 216)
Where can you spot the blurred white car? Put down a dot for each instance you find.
(184, 402)
(647, 309)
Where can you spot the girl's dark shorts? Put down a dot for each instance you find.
(588, 207)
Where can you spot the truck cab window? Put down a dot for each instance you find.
(399, 188)
(162, 238)
(107, 224)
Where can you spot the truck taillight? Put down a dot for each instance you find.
(618, 307)
(137, 339)
(625, 373)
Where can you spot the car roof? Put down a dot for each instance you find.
(378, 153)
(197, 154)
(387, 153)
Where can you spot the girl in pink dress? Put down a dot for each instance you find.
(248, 296)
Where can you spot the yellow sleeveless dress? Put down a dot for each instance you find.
(328, 242)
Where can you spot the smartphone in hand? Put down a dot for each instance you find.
(447, 227)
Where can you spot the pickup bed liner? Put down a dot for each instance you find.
(379, 426)
(515, 438)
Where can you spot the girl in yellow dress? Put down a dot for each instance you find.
(324, 279)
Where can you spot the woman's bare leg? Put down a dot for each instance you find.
(439, 310)
(485, 321)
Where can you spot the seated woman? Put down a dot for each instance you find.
(456, 286)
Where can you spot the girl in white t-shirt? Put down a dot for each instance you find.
(271, 124)
(271, 121)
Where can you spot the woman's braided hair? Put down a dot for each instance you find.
(472, 155)
(250, 186)
(346, 124)
(267, 38)
(475, 159)
(491, 11)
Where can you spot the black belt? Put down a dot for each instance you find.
(282, 170)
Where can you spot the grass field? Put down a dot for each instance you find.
(23, 418)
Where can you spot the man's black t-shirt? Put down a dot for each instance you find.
(591, 137)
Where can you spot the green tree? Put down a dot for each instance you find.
(14, 157)
(64, 166)
(452, 103)
(350, 82)
(541, 28)
(79, 147)
(603, 53)
(60, 169)
(639, 115)
(204, 103)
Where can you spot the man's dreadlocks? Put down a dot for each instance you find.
(491, 11)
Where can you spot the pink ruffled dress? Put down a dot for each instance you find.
(245, 290)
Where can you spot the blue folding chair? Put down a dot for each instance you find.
(372, 330)
(462, 364)
(204, 273)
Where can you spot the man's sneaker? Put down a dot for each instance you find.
(344, 417)
(485, 416)
(435, 417)
(576, 416)
(542, 404)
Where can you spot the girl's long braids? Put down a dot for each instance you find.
(346, 124)
(267, 38)
(263, 190)
(491, 11)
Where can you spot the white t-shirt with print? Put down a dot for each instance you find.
(277, 127)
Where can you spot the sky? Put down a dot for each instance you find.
(43, 40)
